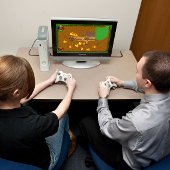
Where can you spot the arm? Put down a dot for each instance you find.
(130, 84)
(114, 128)
(41, 86)
(118, 129)
(65, 103)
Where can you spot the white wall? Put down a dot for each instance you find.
(19, 19)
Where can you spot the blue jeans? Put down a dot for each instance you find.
(55, 141)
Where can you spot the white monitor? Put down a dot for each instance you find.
(82, 42)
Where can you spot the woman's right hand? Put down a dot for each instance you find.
(71, 83)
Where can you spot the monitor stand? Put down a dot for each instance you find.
(81, 64)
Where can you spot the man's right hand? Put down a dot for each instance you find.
(103, 91)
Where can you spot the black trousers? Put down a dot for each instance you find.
(107, 149)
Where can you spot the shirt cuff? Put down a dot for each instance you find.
(103, 102)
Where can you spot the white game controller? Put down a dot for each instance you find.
(109, 84)
(62, 77)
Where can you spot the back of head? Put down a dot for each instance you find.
(157, 69)
(15, 73)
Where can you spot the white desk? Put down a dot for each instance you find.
(87, 79)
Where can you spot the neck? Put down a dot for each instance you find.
(9, 104)
(151, 91)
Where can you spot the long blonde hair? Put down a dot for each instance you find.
(15, 73)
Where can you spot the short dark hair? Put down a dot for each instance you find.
(15, 73)
(157, 69)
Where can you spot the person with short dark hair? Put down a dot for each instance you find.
(25, 135)
(142, 136)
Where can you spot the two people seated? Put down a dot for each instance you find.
(134, 141)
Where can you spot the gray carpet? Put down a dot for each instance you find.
(77, 161)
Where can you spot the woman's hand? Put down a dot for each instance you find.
(71, 84)
(52, 78)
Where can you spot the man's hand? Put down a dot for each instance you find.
(103, 91)
(115, 80)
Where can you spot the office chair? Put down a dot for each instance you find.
(163, 164)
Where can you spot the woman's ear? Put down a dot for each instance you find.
(16, 93)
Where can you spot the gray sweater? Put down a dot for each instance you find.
(144, 132)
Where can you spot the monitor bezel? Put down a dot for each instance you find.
(95, 21)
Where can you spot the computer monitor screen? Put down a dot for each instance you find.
(82, 42)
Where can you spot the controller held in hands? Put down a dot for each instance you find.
(108, 84)
(62, 77)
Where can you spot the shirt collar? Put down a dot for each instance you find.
(155, 97)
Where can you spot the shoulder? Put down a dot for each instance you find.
(144, 117)
(39, 119)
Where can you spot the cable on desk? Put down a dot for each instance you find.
(31, 49)
(51, 49)
(121, 55)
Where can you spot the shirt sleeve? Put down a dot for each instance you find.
(47, 124)
(118, 129)
(131, 84)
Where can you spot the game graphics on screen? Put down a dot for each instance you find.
(83, 38)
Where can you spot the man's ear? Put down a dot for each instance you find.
(148, 83)
(16, 93)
